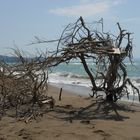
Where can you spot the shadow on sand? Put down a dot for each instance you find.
(96, 110)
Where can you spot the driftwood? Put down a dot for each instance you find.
(106, 51)
(23, 87)
(60, 94)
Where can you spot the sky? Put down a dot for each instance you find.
(21, 20)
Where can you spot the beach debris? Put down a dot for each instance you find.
(48, 100)
(29, 118)
(23, 87)
(89, 42)
(60, 94)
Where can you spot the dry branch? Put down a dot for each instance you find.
(23, 86)
(107, 51)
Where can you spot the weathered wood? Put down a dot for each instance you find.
(60, 94)
(106, 51)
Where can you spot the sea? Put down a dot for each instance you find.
(72, 77)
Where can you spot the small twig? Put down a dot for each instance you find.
(29, 118)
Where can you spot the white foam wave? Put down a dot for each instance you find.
(69, 78)
(69, 75)
(75, 79)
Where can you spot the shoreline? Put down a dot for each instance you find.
(73, 88)
(85, 91)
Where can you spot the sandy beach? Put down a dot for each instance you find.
(77, 117)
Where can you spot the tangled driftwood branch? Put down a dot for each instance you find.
(23, 87)
(107, 53)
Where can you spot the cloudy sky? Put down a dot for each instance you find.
(21, 20)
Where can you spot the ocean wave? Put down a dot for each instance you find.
(69, 78)
(69, 75)
(81, 80)
(79, 63)
(137, 80)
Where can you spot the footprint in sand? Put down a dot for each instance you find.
(24, 134)
(101, 132)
